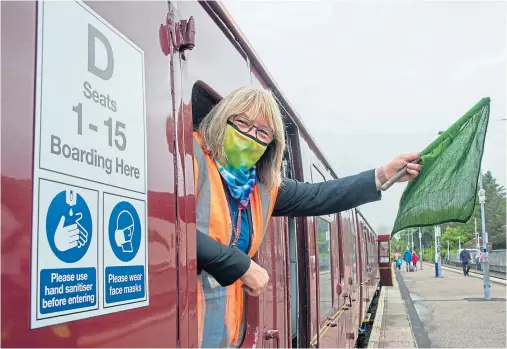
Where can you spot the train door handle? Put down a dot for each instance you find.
(331, 322)
(273, 334)
(348, 305)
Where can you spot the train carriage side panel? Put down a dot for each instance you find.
(137, 327)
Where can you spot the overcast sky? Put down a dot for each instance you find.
(372, 80)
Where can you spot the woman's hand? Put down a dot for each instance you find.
(391, 168)
(255, 280)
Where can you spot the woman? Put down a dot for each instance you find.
(398, 262)
(238, 153)
(415, 259)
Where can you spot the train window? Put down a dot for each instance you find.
(340, 249)
(353, 229)
(348, 237)
(294, 288)
(204, 98)
(364, 253)
(325, 284)
(370, 246)
(384, 252)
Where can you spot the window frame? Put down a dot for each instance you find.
(208, 94)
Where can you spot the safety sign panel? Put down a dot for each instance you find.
(68, 217)
(124, 256)
(89, 238)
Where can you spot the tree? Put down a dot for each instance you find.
(453, 235)
(495, 214)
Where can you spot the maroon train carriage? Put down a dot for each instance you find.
(324, 271)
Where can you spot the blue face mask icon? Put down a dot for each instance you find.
(124, 231)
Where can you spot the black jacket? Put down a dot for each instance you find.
(295, 199)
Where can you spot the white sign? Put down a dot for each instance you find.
(91, 100)
(89, 239)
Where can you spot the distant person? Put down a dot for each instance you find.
(478, 261)
(465, 258)
(415, 258)
(407, 257)
(399, 262)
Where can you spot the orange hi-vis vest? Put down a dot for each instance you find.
(220, 309)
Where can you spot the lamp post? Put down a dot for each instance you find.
(421, 247)
(478, 245)
(438, 257)
(485, 263)
(448, 252)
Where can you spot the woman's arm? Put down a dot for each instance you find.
(226, 264)
(299, 199)
(306, 199)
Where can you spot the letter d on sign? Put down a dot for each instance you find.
(93, 34)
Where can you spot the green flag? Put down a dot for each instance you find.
(446, 188)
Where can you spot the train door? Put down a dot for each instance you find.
(325, 230)
(366, 244)
(293, 228)
(351, 274)
(361, 269)
(279, 254)
(364, 271)
(216, 66)
(384, 260)
(298, 310)
(69, 26)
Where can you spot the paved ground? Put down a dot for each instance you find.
(391, 328)
(474, 272)
(452, 310)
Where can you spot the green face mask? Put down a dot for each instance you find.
(242, 151)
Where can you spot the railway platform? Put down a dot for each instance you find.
(421, 311)
(392, 327)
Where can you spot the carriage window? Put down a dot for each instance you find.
(365, 253)
(354, 255)
(370, 244)
(384, 252)
(324, 254)
(325, 287)
(353, 237)
(349, 241)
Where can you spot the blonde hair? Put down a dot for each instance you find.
(254, 102)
